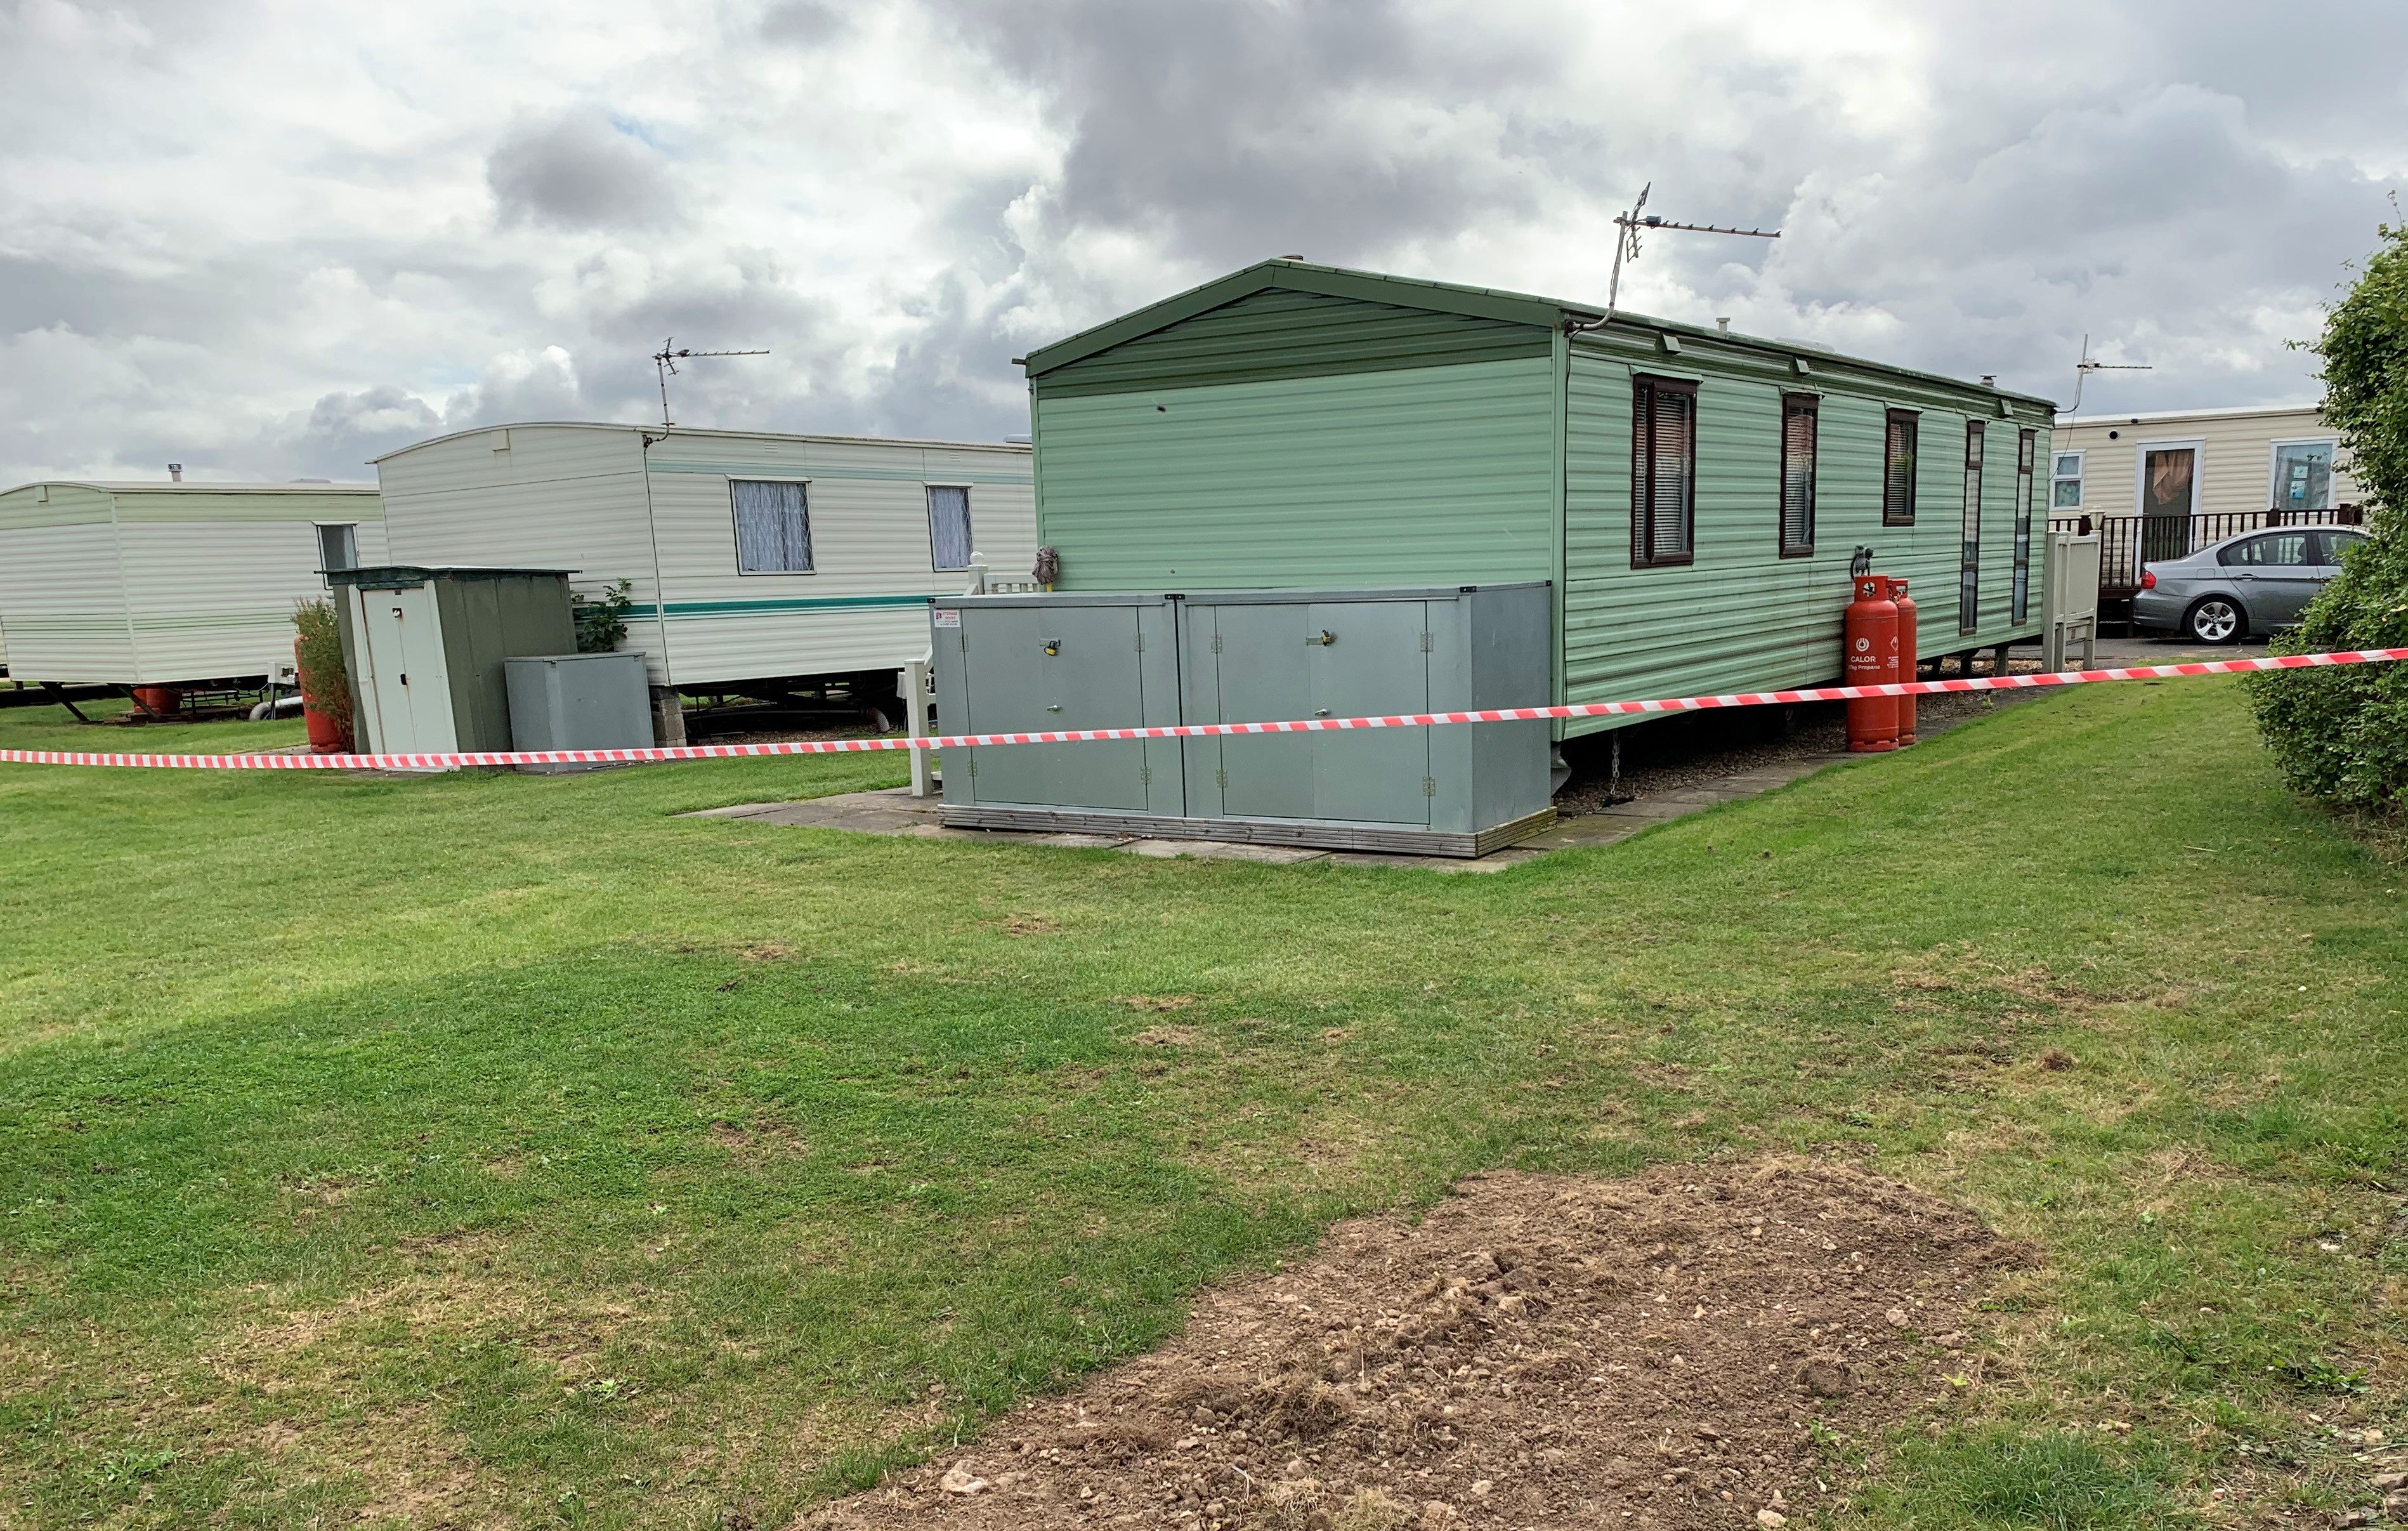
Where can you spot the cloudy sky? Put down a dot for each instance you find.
(271, 238)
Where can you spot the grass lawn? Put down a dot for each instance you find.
(502, 1149)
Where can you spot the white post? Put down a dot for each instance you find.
(919, 710)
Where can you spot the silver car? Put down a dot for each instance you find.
(2253, 582)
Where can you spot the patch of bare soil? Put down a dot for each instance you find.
(1537, 1352)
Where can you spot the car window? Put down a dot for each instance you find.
(2283, 548)
(2332, 544)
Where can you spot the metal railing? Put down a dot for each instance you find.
(2128, 543)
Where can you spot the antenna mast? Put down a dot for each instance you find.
(1625, 246)
(2082, 368)
(664, 362)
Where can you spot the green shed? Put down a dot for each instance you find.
(1693, 496)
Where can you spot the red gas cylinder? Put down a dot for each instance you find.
(1869, 631)
(159, 700)
(1906, 660)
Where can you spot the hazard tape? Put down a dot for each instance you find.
(1184, 731)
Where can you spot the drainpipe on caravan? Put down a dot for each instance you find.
(668, 718)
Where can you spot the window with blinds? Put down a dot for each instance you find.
(1968, 557)
(1897, 468)
(1801, 415)
(2026, 455)
(773, 527)
(949, 527)
(1663, 471)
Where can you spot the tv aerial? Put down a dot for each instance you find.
(2082, 368)
(1630, 225)
(664, 362)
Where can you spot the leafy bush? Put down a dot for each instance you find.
(2341, 734)
(324, 688)
(602, 620)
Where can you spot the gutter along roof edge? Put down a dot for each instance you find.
(675, 432)
(190, 487)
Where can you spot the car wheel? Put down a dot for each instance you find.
(2216, 619)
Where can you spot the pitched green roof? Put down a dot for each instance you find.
(1419, 293)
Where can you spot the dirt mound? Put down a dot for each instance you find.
(1537, 1352)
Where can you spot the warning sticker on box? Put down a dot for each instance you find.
(947, 617)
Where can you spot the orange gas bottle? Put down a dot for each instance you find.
(1869, 630)
(1906, 660)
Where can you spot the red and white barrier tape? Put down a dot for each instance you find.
(1187, 731)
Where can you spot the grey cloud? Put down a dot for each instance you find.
(344, 431)
(576, 171)
(1248, 129)
(2159, 225)
(802, 23)
(2185, 187)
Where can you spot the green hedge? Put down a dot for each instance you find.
(2341, 734)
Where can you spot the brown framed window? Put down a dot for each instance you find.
(1663, 471)
(1897, 468)
(2027, 451)
(1969, 557)
(1800, 415)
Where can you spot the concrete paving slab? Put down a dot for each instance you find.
(895, 810)
(1225, 850)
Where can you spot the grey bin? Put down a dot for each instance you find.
(1009, 664)
(579, 702)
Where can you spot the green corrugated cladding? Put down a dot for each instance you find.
(1395, 476)
(1740, 616)
(1291, 438)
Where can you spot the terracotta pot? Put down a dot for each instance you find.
(325, 734)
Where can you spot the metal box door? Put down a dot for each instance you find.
(1354, 659)
(1040, 668)
(410, 687)
(1260, 675)
(1371, 659)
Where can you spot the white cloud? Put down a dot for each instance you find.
(270, 237)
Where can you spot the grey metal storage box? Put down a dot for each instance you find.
(1034, 663)
(580, 702)
(1016, 663)
(423, 649)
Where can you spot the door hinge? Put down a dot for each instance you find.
(1140, 643)
(1145, 776)
(973, 759)
(1429, 787)
(1221, 780)
(1216, 642)
(1425, 642)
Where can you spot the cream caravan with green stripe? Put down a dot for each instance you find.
(1300, 426)
(163, 583)
(752, 556)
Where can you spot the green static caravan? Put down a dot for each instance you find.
(1694, 497)
(170, 583)
(751, 555)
